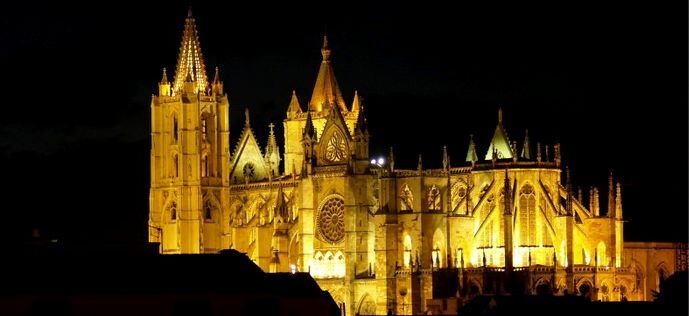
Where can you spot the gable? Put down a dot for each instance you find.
(248, 164)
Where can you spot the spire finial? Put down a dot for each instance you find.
(446, 159)
(216, 78)
(325, 50)
(246, 116)
(164, 80)
(189, 14)
(271, 125)
(500, 115)
(420, 165)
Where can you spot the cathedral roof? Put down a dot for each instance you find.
(326, 92)
(471, 153)
(294, 106)
(500, 143)
(190, 63)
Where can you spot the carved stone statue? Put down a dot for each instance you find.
(407, 199)
(434, 199)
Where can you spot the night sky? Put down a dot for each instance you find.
(607, 82)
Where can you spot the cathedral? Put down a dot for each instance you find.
(377, 237)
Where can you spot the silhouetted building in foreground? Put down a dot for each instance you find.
(214, 284)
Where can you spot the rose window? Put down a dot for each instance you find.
(331, 220)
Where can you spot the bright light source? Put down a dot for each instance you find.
(381, 161)
(293, 268)
(373, 161)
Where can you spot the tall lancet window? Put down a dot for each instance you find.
(527, 216)
(175, 129)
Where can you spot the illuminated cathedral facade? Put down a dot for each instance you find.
(379, 238)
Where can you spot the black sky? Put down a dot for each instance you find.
(607, 81)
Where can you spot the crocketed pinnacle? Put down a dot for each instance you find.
(190, 64)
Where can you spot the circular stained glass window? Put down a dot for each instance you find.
(331, 220)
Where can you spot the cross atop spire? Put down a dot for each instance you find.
(190, 64)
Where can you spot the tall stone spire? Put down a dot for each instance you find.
(500, 144)
(356, 104)
(217, 86)
(326, 91)
(272, 155)
(190, 64)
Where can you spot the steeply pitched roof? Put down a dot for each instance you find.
(326, 92)
(190, 64)
(500, 143)
(248, 152)
(294, 106)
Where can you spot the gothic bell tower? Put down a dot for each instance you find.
(189, 156)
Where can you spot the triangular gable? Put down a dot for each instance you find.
(500, 144)
(247, 156)
(333, 145)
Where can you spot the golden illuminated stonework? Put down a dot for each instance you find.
(331, 220)
(336, 149)
(513, 211)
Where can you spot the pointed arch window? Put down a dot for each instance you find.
(175, 129)
(527, 216)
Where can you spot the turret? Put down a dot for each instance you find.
(294, 107)
(272, 155)
(164, 85)
(217, 87)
